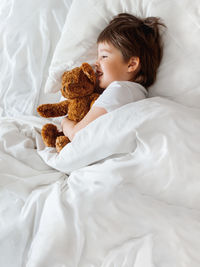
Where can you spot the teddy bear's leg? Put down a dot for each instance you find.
(61, 141)
(49, 134)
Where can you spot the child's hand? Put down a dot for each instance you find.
(68, 128)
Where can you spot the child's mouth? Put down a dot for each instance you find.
(99, 74)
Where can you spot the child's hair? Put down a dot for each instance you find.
(137, 37)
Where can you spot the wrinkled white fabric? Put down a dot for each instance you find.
(131, 199)
(120, 93)
(29, 31)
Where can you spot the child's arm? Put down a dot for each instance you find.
(70, 128)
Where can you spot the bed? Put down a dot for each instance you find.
(126, 191)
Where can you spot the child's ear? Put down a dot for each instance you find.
(133, 64)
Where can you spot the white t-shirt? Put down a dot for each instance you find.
(120, 93)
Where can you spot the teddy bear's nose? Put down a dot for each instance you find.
(64, 88)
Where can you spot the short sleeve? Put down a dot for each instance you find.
(118, 94)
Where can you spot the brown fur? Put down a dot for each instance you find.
(78, 86)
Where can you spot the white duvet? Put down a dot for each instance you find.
(127, 192)
(29, 32)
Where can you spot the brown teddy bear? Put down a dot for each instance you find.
(78, 86)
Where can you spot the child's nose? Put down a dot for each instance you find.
(93, 65)
(96, 64)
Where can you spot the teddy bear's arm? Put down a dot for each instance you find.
(53, 110)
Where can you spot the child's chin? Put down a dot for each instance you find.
(102, 84)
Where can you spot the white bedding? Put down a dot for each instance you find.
(29, 31)
(136, 204)
(126, 191)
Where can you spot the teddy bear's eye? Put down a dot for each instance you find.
(64, 88)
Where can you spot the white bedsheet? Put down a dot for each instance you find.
(137, 205)
(29, 31)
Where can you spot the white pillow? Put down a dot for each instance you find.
(179, 74)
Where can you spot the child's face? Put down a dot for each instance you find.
(110, 65)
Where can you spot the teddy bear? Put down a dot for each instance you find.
(80, 90)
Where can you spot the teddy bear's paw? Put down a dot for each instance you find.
(61, 141)
(44, 110)
(49, 134)
(53, 110)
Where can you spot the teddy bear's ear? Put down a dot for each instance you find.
(65, 74)
(88, 70)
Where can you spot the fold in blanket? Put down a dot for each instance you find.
(126, 192)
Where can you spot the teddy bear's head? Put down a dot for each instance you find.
(78, 82)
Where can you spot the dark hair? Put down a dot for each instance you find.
(137, 37)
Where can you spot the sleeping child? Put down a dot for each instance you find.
(129, 54)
